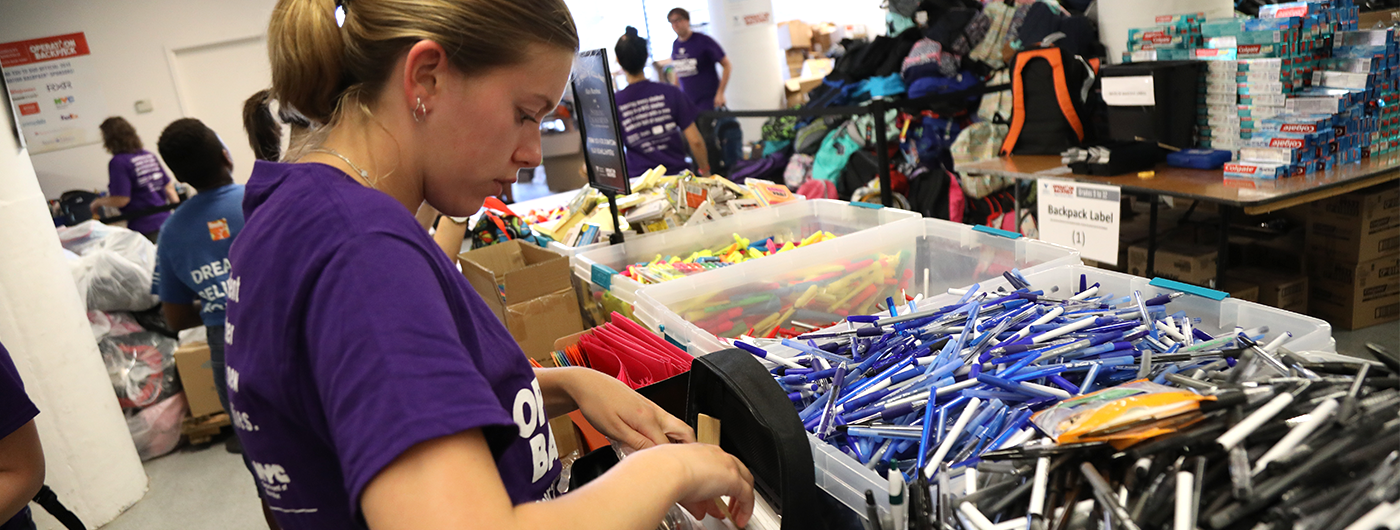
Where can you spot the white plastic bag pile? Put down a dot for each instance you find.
(113, 268)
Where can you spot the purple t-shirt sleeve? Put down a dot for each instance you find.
(17, 409)
(386, 357)
(120, 176)
(716, 51)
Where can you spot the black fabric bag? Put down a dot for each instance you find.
(1049, 88)
(928, 191)
(894, 61)
(862, 167)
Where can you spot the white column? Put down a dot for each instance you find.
(749, 34)
(1117, 17)
(92, 463)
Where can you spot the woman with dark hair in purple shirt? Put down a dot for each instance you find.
(136, 181)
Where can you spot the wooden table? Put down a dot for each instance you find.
(1253, 196)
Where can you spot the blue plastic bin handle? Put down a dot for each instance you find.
(602, 276)
(870, 205)
(1188, 288)
(996, 232)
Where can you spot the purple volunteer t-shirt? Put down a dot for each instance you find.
(15, 410)
(695, 60)
(351, 338)
(654, 117)
(139, 176)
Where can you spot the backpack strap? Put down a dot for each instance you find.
(1054, 57)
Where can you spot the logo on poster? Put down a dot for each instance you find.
(64, 102)
(28, 109)
(55, 49)
(55, 87)
(68, 117)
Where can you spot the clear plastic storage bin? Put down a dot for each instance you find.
(846, 479)
(598, 267)
(912, 256)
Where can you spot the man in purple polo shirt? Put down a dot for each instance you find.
(694, 56)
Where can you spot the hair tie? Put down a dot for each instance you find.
(340, 7)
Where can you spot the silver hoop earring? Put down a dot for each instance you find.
(420, 111)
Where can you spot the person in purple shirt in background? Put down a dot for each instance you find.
(21, 455)
(371, 386)
(136, 181)
(657, 119)
(694, 56)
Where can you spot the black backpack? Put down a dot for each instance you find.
(1049, 89)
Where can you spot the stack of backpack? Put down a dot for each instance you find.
(1011, 50)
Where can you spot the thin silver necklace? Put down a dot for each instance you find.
(363, 174)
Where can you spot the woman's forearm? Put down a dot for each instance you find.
(555, 384)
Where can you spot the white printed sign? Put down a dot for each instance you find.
(1080, 216)
(1131, 91)
(53, 87)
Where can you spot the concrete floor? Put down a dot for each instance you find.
(205, 484)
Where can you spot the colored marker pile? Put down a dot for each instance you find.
(816, 297)
(1047, 412)
(663, 269)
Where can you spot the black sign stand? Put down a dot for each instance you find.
(602, 137)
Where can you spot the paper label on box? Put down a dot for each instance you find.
(1081, 216)
(1130, 91)
(1142, 56)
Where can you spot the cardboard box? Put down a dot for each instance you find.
(1241, 289)
(795, 58)
(1176, 260)
(794, 34)
(529, 289)
(1354, 296)
(1355, 227)
(824, 36)
(1276, 288)
(197, 378)
(797, 89)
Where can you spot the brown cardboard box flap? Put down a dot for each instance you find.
(526, 271)
(545, 272)
(537, 323)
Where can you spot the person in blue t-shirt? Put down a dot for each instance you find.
(21, 454)
(192, 254)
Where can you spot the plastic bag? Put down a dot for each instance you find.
(114, 266)
(156, 429)
(1124, 414)
(112, 324)
(141, 367)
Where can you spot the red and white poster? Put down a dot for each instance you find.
(54, 91)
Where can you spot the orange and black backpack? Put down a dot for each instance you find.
(1050, 88)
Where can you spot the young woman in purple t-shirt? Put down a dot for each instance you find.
(370, 385)
(136, 182)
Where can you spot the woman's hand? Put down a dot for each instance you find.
(622, 414)
(707, 472)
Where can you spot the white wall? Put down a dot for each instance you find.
(866, 12)
(92, 464)
(129, 39)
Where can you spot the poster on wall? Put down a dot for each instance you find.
(54, 92)
(746, 14)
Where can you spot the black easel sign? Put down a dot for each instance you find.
(597, 117)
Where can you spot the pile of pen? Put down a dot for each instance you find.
(1023, 409)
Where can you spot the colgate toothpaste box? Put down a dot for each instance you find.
(1257, 170)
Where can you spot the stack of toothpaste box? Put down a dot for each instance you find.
(1172, 38)
(1346, 114)
(1256, 64)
